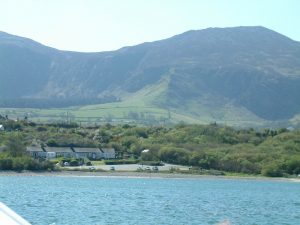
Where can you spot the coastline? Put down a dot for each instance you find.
(130, 174)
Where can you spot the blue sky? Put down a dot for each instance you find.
(100, 25)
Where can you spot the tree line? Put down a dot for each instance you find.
(270, 152)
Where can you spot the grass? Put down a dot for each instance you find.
(118, 112)
(98, 162)
(140, 103)
(232, 174)
(145, 106)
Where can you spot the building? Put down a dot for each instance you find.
(108, 153)
(90, 153)
(54, 152)
(36, 152)
(1, 127)
(71, 152)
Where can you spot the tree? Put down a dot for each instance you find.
(272, 170)
(15, 145)
(174, 155)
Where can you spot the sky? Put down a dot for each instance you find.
(102, 25)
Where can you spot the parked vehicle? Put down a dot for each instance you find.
(155, 168)
(92, 168)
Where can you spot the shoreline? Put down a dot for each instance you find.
(127, 174)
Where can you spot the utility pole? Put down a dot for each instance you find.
(67, 117)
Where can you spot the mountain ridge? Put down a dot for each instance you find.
(249, 67)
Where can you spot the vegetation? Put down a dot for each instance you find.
(14, 156)
(121, 161)
(203, 147)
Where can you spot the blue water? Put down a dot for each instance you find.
(99, 200)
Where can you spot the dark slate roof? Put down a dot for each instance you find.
(87, 150)
(59, 149)
(108, 150)
(34, 149)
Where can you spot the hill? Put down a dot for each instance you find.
(215, 74)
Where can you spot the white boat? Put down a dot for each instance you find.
(9, 217)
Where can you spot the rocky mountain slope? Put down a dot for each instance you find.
(252, 68)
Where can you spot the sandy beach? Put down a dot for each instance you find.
(115, 174)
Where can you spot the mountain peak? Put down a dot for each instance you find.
(242, 32)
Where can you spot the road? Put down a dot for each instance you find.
(132, 167)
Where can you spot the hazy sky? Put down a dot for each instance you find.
(98, 25)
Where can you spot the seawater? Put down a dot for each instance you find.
(103, 200)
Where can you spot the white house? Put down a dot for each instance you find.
(1, 127)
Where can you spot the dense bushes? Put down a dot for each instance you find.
(14, 156)
(292, 166)
(269, 152)
(23, 163)
(272, 170)
(174, 155)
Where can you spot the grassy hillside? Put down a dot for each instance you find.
(151, 105)
(137, 108)
(143, 108)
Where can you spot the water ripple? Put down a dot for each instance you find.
(80, 200)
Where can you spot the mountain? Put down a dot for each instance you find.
(252, 71)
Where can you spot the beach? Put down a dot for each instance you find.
(130, 174)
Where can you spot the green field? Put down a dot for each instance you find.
(137, 108)
(147, 107)
(124, 112)
(121, 112)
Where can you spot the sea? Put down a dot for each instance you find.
(71, 200)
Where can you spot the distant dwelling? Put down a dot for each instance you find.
(108, 153)
(48, 152)
(71, 152)
(91, 153)
(53, 152)
(1, 127)
(36, 152)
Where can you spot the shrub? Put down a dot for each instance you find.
(18, 164)
(292, 166)
(32, 164)
(174, 155)
(152, 163)
(6, 163)
(272, 170)
(23, 163)
(74, 162)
